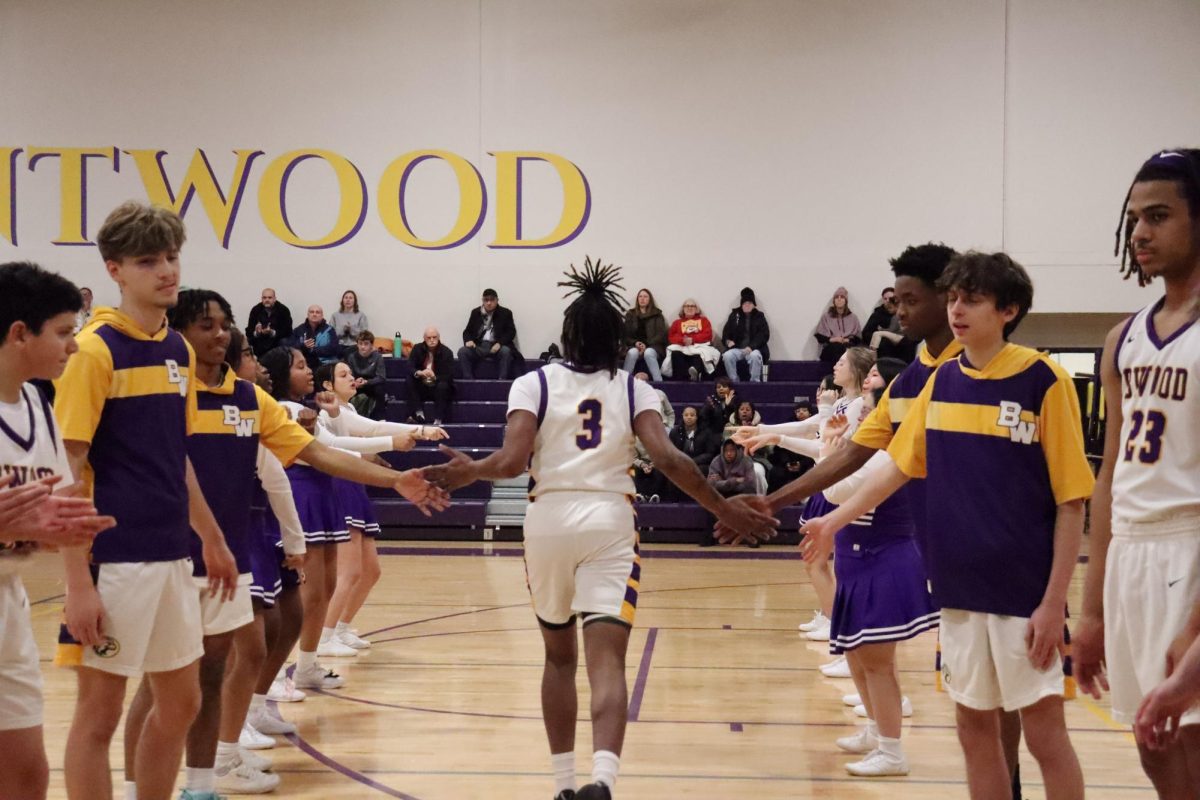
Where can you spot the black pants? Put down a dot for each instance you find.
(646, 485)
(680, 362)
(420, 392)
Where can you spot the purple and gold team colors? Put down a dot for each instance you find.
(230, 421)
(131, 397)
(1003, 447)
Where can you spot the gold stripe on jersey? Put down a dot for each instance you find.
(147, 381)
(971, 418)
(898, 407)
(214, 421)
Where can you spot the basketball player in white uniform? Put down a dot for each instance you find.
(1142, 596)
(578, 421)
(37, 322)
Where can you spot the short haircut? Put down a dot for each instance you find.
(490, 294)
(925, 262)
(134, 229)
(807, 405)
(993, 274)
(365, 336)
(33, 295)
(1181, 166)
(889, 368)
(192, 307)
(724, 381)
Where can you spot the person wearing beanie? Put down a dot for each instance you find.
(838, 328)
(746, 334)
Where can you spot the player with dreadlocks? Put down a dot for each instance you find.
(577, 420)
(1141, 607)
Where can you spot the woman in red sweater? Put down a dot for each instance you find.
(690, 349)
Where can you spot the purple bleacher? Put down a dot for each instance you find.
(462, 513)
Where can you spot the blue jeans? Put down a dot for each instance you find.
(734, 355)
(651, 357)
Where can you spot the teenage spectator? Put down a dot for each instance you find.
(719, 406)
(490, 333)
(315, 338)
(838, 328)
(84, 315)
(370, 377)
(432, 378)
(803, 410)
(786, 466)
(730, 473)
(747, 415)
(349, 322)
(648, 482)
(882, 315)
(691, 350)
(645, 335)
(667, 410)
(269, 324)
(746, 334)
(696, 441)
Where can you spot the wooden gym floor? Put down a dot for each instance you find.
(725, 697)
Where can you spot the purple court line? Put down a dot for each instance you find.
(735, 727)
(337, 766)
(639, 685)
(790, 554)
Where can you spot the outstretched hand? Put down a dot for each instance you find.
(755, 443)
(817, 543)
(455, 473)
(746, 517)
(413, 486)
(744, 433)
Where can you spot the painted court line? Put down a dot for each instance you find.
(639, 685)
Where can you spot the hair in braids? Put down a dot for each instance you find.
(593, 324)
(1181, 166)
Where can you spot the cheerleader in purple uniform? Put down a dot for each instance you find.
(881, 599)
(358, 560)
(850, 373)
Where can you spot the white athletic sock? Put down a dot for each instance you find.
(326, 634)
(227, 751)
(872, 728)
(563, 765)
(342, 626)
(257, 702)
(605, 765)
(306, 660)
(891, 747)
(130, 790)
(199, 779)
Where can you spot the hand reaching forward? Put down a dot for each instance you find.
(455, 473)
(745, 517)
(817, 543)
(412, 486)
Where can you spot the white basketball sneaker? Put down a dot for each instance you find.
(877, 764)
(238, 777)
(283, 690)
(253, 759)
(333, 648)
(254, 740)
(818, 620)
(862, 742)
(838, 668)
(317, 677)
(852, 700)
(351, 639)
(265, 722)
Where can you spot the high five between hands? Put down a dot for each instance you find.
(35, 513)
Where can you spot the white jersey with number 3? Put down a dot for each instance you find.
(1157, 474)
(585, 438)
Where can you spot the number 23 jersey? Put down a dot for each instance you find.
(1158, 463)
(585, 438)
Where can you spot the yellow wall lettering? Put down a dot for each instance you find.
(577, 200)
(72, 170)
(8, 193)
(352, 207)
(472, 203)
(199, 181)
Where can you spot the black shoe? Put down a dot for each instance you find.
(593, 791)
(565, 794)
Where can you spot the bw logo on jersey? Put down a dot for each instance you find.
(1019, 431)
(175, 376)
(233, 418)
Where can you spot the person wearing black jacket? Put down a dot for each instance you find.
(370, 376)
(269, 324)
(718, 406)
(746, 335)
(490, 333)
(699, 443)
(432, 378)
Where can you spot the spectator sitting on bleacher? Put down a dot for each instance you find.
(269, 323)
(697, 442)
(315, 339)
(432, 378)
(882, 315)
(648, 482)
(747, 415)
(668, 410)
(490, 333)
(730, 473)
(370, 376)
(348, 322)
(691, 351)
(838, 328)
(719, 405)
(786, 466)
(746, 334)
(645, 334)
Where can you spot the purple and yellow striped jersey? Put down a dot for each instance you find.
(1002, 447)
(231, 420)
(130, 396)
